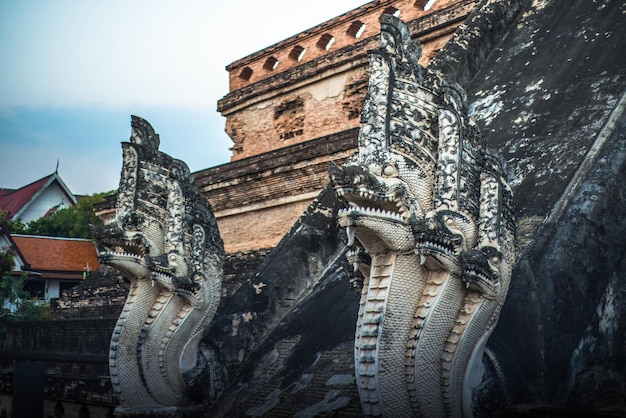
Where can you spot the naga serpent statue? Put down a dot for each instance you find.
(430, 229)
(164, 240)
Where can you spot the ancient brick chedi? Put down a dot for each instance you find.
(313, 84)
(429, 206)
(556, 115)
(295, 106)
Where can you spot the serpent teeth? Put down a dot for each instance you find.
(350, 232)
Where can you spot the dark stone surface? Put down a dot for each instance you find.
(571, 284)
(544, 92)
(548, 96)
(238, 267)
(297, 309)
(28, 386)
(465, 54)
(307, 254)
(545, 80)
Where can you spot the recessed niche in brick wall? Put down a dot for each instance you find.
(289, 118)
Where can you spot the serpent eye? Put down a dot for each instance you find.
(390, 170)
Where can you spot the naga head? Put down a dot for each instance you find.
(164, 239)
(125, 246)
(380, 204)
(481, 270)
(159, 232)
(423, 194)
(440, 240)
(387, 184)
(136, 232)
(487, 268)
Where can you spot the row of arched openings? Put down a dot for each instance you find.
(324, 42)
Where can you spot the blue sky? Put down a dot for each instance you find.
(72, 72)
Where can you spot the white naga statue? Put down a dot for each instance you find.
(164, 240)
(430, 226)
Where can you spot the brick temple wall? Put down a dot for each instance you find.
(320, 91)
(256, 200)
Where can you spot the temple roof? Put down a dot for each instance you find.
(57, 254)
(15, 201)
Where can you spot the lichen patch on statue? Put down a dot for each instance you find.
(164, 240)
(430, 231)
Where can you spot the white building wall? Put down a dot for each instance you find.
(49, 198)
(53, 290)
(5, 245)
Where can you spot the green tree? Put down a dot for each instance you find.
(72, 222)
(17, 304)
(13, 227)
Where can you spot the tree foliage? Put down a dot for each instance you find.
(6, 224)
(17, 304)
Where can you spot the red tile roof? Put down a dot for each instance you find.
(15, 200)
(57, 254)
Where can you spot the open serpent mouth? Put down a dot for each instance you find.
(120, 248)
(434, 242)
(366, 194)
(485, 281)
(191, 291)
(428, 243)
(380, 222)
(378, 209)
(366, 203)
(478, 271)
(131, 256)
(369, 205)
(120, 253)
(127, 258)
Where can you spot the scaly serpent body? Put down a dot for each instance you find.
(164, 240)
